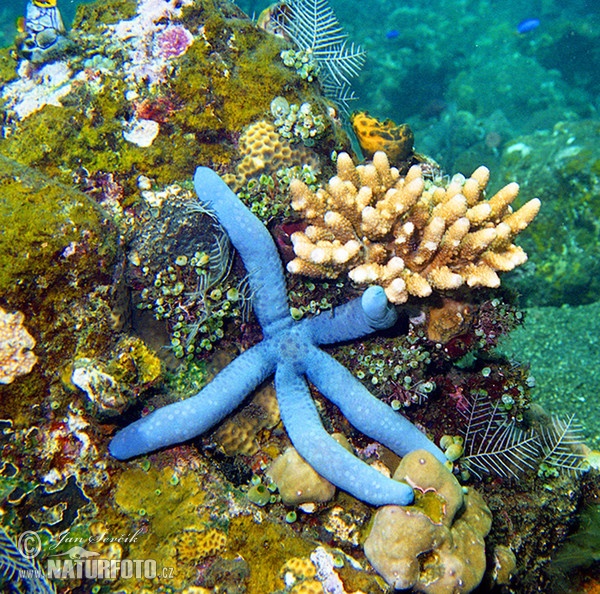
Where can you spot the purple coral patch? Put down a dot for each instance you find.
(173, 41)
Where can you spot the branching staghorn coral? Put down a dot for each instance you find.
(407, 234)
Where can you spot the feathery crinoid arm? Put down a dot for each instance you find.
(188, 418)
(254, 244)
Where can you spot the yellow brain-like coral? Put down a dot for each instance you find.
(16, 357)
(300, 575)
(308, 587)
(298, 568)
(192, 545)
(263, 150)
(407, 234)
(239, 433)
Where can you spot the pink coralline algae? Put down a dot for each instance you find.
(152, 40)
(174, 41)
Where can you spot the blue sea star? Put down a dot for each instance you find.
(289, 349)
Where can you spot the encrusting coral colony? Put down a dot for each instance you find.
(407, 234)
(275, 384)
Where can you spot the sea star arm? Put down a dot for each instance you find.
(254, 244)
(183, 420)
(354, 319)
(328, 458)
(367, 413)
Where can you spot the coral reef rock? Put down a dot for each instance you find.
(289, 350)
(407, 234)
(239, 433)
(16, 357)
(113, 385)
(437, 545)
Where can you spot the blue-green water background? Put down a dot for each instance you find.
(460, 73)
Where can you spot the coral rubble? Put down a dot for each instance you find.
(113, 385)
(407, 234)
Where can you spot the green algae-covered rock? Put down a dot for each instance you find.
(58, 251)
(562, 168)
(54, 240)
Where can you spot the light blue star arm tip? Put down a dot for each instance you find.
(378, 311)
(366, 412)
(254, 244)
(359, 317)
(184, 420)
(326, 456)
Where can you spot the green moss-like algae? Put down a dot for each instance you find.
(230, 80)
(56, 249)
(59, 140)
(169, 507)
(8, 65)
(266, 547)
(90, 18)
(40, 220)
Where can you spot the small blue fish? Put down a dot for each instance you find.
(527, 25)
(392, 34)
